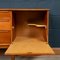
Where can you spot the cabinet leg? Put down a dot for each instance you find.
(12, 57)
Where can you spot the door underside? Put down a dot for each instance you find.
(26, 46)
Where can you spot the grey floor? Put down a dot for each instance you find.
(56, 57)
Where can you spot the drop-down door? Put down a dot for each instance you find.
(26, 46)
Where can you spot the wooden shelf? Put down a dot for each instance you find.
(36, 25)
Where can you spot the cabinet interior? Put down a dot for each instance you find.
(30, 24)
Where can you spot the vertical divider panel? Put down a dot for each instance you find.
(11, 25)
(47, 26)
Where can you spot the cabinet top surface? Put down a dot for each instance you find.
(30, 9)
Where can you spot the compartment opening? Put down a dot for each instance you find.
(30, 24)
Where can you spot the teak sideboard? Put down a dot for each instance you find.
(25, 31)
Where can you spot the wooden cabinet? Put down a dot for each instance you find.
(26, 30)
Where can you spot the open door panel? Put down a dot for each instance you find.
(29, 46)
